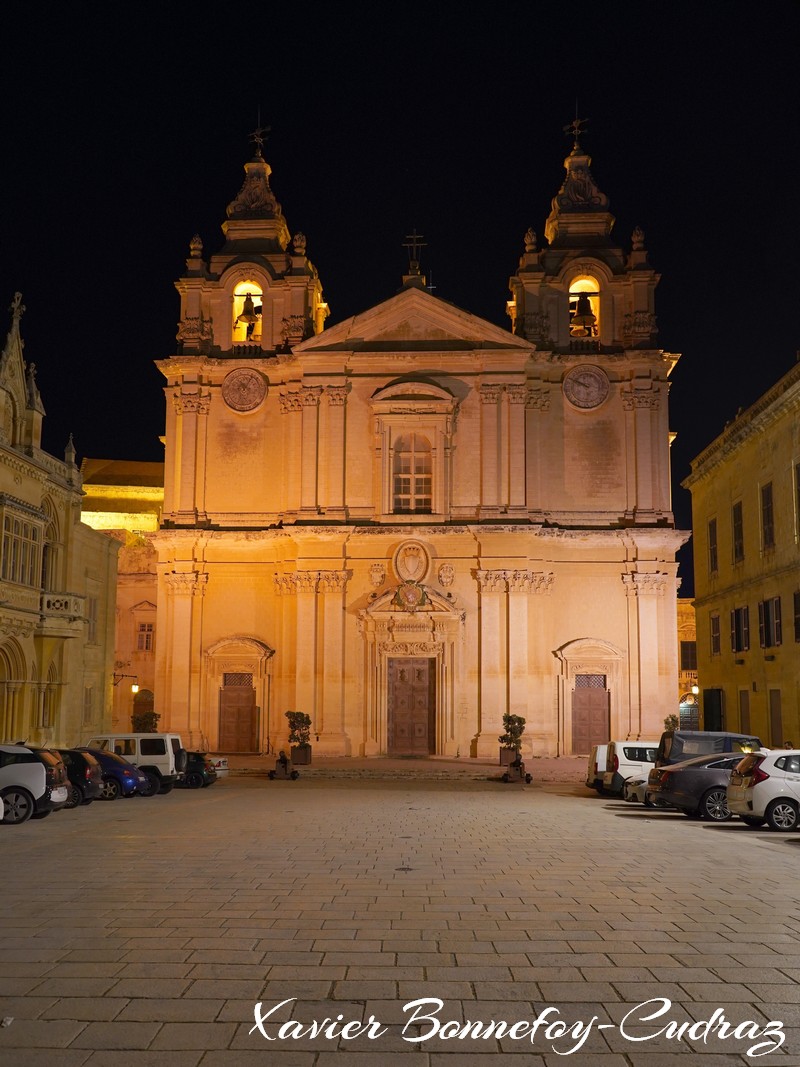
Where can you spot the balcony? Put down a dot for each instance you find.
(61, 615)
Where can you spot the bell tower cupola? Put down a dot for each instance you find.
(582, 293)
(260, 293)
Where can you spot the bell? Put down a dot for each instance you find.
(248, 311)
(583, 320)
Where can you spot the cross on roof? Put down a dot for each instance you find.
(575, 129)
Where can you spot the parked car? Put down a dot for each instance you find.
(624, 759)
(765, 788)
(162, 757)
(634, 790)
(676, 746)
(85, 776)
(596, 767)
(200, 771)
(697, 787)
(31, 785)
(120, 778)
(220, 765)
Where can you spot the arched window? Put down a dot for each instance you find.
(247, 308)
(584, 307)
(412, 480)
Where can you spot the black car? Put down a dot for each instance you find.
(698, 787)
(85, 776)
(200, 771)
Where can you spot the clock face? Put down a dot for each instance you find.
(586, 387)
(244, 389)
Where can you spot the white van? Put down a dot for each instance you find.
(624, 759)
(596, 768)
(162, 757)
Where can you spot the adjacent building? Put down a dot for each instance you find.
(414, 521)
(746, 515)
(57, 576)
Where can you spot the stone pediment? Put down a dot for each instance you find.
(413, 321)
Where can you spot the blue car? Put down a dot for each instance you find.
(120, 778)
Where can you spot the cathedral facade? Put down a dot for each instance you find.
(413, 521)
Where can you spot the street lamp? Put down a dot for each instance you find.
(134, 684)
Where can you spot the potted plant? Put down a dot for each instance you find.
(511, 740)
(300, 736)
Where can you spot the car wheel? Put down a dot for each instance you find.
(714, 806)
(782, 815)
(42, 814)
(194, 780)
(17, 805)
(166, 787)
(152, 787)
(601, 789)
(111, 789)
(648, 803)
(751, 820)
(75, 797)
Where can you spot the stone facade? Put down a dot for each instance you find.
(413, 521)
(746, 515)
(57, 576)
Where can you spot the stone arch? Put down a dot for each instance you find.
(243, 659)
(13, 675)
(590, 657)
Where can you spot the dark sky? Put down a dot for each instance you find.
(125, 131)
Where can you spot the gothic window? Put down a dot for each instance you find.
(584, 308)
(22, 550)
(247, 312)
(412, 475)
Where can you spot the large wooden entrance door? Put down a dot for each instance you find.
(238, 714)
(412, 706)
(590, 712)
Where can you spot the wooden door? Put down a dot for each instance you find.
(590, 713)
(238, 715)
(411, 706)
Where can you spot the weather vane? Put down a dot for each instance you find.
(576, 128)
(258, 136)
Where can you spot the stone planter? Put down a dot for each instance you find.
(507, 756)
(301, 755)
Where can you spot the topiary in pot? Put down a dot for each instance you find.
(511, 740)
(300, 736)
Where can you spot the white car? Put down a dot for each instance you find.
(634, 790)
(624, 759)
(765, 788)
(24, 788)
(220, 764)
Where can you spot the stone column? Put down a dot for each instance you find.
(190, 455)
(493, 677)
(517, 397)
(333, 501)
(309, 467)
(537, 400)
(291, 408)
(306, 659)
(490, 408)
(331, 738)
(182, 680)
(645, 600)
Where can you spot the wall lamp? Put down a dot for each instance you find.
(134, 684)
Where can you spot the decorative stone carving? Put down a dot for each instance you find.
(186, 583)
(410, 597)
(636, 323)
(309, 395)
(410, 648)
(517, 394)
(299, 244)
(192, 403)
(244, 389)
(638, 584)
(637, 239)
(290, 402)
(530, 240)
(640, 398)
(255, 199)
(490, 394)
(491, 581)
(337, 395)
(332, 581)
(293, 329)
(306, 581)
(194, 328)
(447, 574)
(285, 584)
(586, 387)
(411, 561)
(537, 326)
(538, 398)
(196, 247)
(377, 574)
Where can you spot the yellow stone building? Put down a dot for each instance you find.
(746, 515)
(413, 521)
(57, 576)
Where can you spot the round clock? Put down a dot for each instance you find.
(244, 389)
(586, 387)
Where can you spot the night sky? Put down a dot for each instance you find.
(125, 132)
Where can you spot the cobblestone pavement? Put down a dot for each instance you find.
(145, 931)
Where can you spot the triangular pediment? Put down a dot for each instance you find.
(414, 321)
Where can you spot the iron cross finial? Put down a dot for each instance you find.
(575, 129)
(258, 136)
